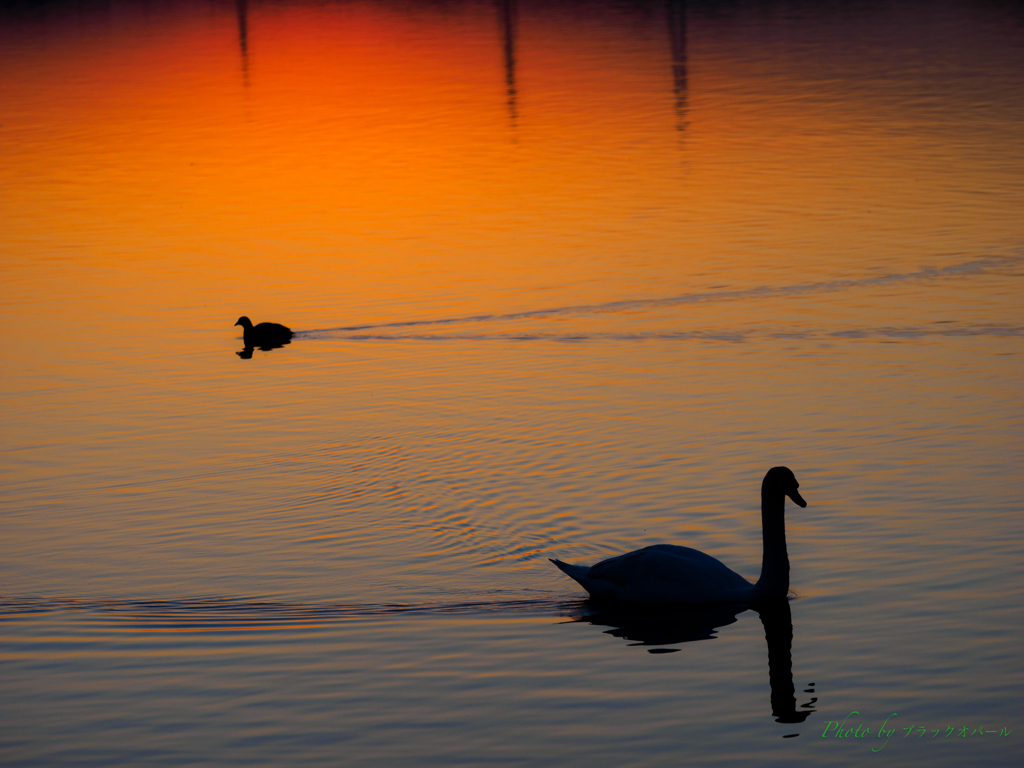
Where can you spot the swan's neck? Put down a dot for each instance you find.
(774, 581)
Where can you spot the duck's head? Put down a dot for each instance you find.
(780, 481)
(244, 321)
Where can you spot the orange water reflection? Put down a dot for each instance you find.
(367, 152)
(350, 164)
(671, 245)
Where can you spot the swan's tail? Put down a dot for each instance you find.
(581, 574)
(578, 572)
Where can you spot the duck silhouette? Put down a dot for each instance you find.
(265, 336)
(665, 573)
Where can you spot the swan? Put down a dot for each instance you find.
(666, 573)
(264, 335)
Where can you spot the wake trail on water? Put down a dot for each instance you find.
(867, 333)
(237, 614)
(979, 266)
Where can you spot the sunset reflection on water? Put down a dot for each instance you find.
(567, 278)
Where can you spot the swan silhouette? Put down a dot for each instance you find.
(666, 573)
(265, 335)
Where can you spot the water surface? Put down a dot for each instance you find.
(567, 279)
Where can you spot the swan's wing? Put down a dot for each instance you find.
(695, 556)
(664, 567)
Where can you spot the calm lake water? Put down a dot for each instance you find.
(568, 278)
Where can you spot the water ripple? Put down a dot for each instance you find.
(236, 614)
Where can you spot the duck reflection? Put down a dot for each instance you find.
(242, 11)
(246, 352)
(670, 625)
(508, 18)
(677, 40)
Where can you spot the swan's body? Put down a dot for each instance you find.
(666, 573)
(264, 335)
(663, 573)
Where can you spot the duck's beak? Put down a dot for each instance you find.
(797, 498)
(237, 323)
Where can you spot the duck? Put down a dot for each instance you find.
(264, 335)
(666, 573)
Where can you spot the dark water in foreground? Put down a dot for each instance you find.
(568, 278)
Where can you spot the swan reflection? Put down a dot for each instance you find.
(661, 626)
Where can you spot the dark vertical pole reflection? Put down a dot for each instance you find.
(242, 7)
(508, 17)
(778, 633)
(677, 39)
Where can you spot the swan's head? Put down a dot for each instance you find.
(244, 321)
(780, 481)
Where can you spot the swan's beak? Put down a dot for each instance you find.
(797, 498)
